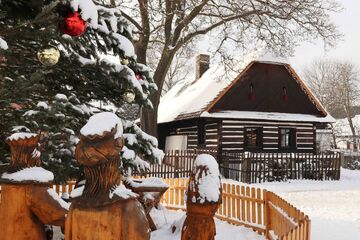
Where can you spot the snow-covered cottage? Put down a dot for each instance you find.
(263, 107)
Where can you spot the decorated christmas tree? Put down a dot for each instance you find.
(61, 60)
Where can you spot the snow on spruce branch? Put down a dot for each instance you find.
(3, 44)
(140, 142)
(88, 12)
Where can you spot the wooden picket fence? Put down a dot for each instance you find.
(267, 167)
(176, 163)
(242, 205)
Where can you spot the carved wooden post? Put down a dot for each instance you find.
(203, 199)
(267, 220)
(27, 203)
(103, 208)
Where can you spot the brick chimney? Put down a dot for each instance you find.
(202, 64)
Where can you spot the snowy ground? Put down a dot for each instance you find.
(333, 206)
(165, 220)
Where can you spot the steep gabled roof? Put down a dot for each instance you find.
(191, 99)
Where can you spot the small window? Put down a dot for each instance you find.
(285, 96)
(252, 138)
(287, 139)
(176, 142)
(251, 95)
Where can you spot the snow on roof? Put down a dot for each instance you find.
(37, 174)
(294, 117)
(102, 122)
(21, 135)
(193, 96)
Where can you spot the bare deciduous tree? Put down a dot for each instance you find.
(347, 85)
(179, 70)
(336, 84)
(319, 76)
(170, 25)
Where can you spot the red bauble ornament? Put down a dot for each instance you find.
(73, 25)
(138, 76)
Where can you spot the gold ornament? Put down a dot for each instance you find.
(125, 61)
(49, 55)
(129, 96)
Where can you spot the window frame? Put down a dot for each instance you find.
(293, 138)
(259, 138)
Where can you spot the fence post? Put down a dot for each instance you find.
(176, 167)
(247, 167)
(308, 233)
(267, 220)
(225, 165)
(339, 161)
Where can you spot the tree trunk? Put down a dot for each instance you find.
(333, 136)
(352, 128)
(149, 116)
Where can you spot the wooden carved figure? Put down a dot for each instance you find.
(103, 208)
(203, 199)
(27, 202)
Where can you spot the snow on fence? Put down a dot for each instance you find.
(242, 205)
(267, 167)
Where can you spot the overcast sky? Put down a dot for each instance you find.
(348, 22)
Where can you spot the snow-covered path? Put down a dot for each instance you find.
(333, 206)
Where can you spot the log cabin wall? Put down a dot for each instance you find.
(231, 135)
(192, 135)
(187, 127)
(228, 135)
(212, 134)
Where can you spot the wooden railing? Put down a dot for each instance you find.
(243, 205)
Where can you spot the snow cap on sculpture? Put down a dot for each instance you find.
(23, 150)
(205, 185)
(106, 130)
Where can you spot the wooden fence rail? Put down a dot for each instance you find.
(242, 205)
